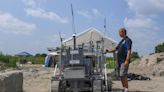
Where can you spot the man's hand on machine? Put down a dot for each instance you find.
(106, 50)
(110, 50)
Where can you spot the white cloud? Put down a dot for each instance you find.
(30, 3)
(144, 10)
(146, 7)
(144, 41)
(96, 12)
(84, 13)
(33, 9)
(144, 33)
(90, 14)
(142, 26)
(40, 13)
(140, 23)
(11, 24)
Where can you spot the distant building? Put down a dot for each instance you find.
(23, 54)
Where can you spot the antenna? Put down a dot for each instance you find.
(105, 26)
(60, 58)
(61, 39)
(104, 33)
(73, 20)
(73, 28)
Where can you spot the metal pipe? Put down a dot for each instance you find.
(55, 70)
(106, 78)
(74, 41)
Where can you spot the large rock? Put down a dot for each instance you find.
(11, 81)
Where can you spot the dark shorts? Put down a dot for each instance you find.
(122, 70)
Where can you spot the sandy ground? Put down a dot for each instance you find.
(38, 80)
(154, 85)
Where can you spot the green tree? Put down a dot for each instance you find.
(134, 56)
(159, 48)
(40, 55)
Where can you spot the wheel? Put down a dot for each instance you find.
(54, 86)
(102, 85)
(62, 86)
(58, 86)
(98, 86)
(109, 84)
(92, 87)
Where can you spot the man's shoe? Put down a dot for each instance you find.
(126, 90)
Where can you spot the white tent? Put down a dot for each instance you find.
(93, 35)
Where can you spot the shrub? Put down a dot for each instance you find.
(159, 48)
(10, 61)
(134, 56)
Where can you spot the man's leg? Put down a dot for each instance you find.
(124, 81)
(123, 76)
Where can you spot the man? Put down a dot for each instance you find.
(123, 56)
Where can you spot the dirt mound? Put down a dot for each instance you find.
(149, 65)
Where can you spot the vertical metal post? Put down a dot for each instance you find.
(106, 78)
(102, 54)
(97, 55)
(55, 70)
(60, 58)
(74, 41)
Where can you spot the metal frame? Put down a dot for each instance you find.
(98, 73)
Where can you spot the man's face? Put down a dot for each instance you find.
(121, 33)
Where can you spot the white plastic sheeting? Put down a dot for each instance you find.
(93, 35)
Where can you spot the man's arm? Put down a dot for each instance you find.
(129, 44)
(127, 58)
(111, 50)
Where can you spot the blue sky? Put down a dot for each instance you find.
(33, 25)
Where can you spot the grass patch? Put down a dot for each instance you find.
(7, 61)
(110, 63)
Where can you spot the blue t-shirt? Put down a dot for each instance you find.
(122, 49)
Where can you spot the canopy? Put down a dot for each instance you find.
(53, 53)
(93, 35)
(23, 54)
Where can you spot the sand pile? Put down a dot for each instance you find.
(149, 65)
